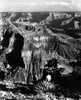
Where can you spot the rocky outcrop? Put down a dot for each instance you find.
(32, 49)
(33, 53)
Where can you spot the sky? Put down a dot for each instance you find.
(40, 5)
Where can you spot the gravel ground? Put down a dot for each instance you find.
(8, 92)
(41, 96)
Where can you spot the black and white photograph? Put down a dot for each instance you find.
(40, 49)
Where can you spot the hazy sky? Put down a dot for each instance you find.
(40, 5)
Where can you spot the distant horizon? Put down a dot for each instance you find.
(40, 5)
(40, 11)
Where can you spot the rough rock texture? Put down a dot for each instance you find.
(33, 52)
(32, 49)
